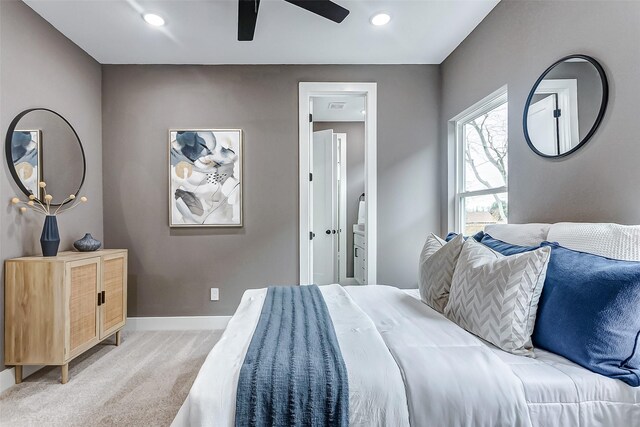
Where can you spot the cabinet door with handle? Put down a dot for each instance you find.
(83, 283)
(113, 307)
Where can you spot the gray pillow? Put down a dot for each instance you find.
(496, 297)
(437, 263)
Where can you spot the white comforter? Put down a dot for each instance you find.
(376, 389)
(408, 364)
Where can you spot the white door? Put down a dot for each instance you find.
(343, 251)
(324, 208)
(542, 125)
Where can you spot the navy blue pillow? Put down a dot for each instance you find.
(505, 248)
(450, 236)
(589, 310)
(478, 236)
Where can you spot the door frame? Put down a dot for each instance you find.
(307, 90)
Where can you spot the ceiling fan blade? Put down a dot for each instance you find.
(247, 17)
(325, 8)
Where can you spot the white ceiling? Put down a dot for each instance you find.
(352, 107)
(205, 31)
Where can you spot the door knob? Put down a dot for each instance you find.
(328, 231)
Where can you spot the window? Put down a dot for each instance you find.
(482, 165)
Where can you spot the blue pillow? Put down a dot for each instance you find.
(450, 236)
(505, 248)
(477, 236)
(589, 310)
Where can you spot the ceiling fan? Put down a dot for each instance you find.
(248, 14)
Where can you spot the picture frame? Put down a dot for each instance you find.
(205, 178)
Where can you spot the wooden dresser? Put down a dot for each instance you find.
(56, 308)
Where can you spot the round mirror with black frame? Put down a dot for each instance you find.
(565, 106)
(41, 145)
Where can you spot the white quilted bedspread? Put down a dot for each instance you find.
(608, 240)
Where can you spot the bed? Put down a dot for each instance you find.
(408, 365)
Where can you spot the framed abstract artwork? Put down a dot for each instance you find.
(26, 155)
(205, 178)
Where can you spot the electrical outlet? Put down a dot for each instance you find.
(215, 294)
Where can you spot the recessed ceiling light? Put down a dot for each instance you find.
(380, 19)
(153, 19)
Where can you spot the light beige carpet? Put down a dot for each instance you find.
(143, 382)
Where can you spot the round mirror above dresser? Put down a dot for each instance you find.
(41, 145)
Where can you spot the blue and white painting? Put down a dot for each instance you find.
(206, 178)
(26, 155)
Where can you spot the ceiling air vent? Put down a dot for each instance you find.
(337, 105)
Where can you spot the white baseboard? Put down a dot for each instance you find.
(180, 323)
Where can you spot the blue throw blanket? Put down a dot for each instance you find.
(293, 373)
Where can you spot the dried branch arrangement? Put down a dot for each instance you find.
(45, 207)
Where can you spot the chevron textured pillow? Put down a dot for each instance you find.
(496, 297)
(437, 263)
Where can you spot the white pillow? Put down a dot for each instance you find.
(496, 297)
(437, 263)
(607, 240)
(519, 234)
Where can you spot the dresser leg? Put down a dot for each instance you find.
(18, 369)
(65, 373)
(118, 341)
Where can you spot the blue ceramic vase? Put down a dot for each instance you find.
(87, 244)
(50, 238)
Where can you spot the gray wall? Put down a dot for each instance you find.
(171, 270)
(355, 175)
(514, 45)
(40, 67)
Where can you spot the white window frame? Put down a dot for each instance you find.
(488, 103)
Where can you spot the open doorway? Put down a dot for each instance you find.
(337, 193)
(338, 189)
